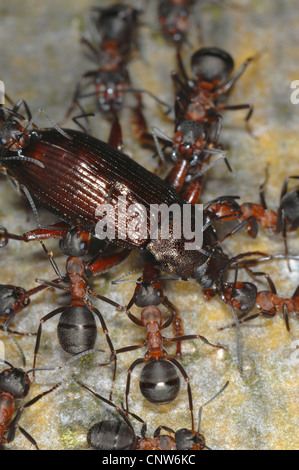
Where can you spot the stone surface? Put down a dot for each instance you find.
(41, 61)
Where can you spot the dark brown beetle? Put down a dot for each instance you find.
(72, 174)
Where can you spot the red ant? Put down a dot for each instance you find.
(14, 385)
(149, 291)
(198, 122)
(159, 382)
(284, 219)
(244, 297)
(115, 435)
(77, 329)
(201, 98)
(113, 30)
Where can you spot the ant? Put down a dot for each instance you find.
(149, 291)
(15, 385)
(113, 30)
(201, 98)
(192, 147)
(115, 435)
(284, 219)
(76, 241)
(198, 118)
(159, 381)
(244, 297)
(198, 122)
(77, 329)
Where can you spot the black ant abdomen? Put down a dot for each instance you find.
(159, 382)
(111, 435)
(211, 63)
(77, 330)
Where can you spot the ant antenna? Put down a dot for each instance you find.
(209, 401)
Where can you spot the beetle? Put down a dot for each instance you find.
(72, 174)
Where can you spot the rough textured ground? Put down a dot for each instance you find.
(41, 60)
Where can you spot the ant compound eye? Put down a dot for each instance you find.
(110, 435)
(159, 382)
(211, 63)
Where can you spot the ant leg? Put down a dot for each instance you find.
(108, 402)
(286, 319)
(164, 428)
(18, 105)
(39, 331)
(77, 92)
(250, 222)
(236, 107)
(228, 85)
(285, 185)
(129, 373)
(14, 424)
(101, 263)
(115, 136)
(113, 353)
(262, 189)
(187, 380)
(176, 321)
(268, 278)
(158, 134)
(239, 353)
(188, 337)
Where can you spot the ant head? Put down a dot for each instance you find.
(147, 294)
(15, 381)
(115, 24)
(75, 243)
(289, 208)
(159, 382)
(243, 295)
(189, 440)
(211, 64)
(192, 131)
(11, 133)
(111, 435)
(10, 299)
